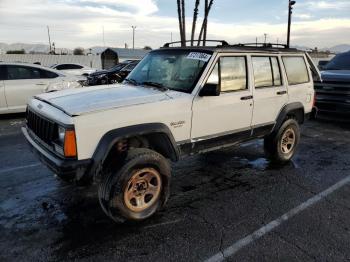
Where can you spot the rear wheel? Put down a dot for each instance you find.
(282, 145)
(137, 189)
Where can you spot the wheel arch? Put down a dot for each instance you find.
(295, 110)
(158, 135)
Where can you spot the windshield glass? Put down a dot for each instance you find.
(340, 62)
(177, 70)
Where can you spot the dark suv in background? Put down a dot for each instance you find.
(116, 74)
(333, 93)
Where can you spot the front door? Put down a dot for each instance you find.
(227, 117)
(23, 82)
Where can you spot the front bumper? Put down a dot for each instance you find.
(69, 169)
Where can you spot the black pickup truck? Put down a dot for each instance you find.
(333, 93)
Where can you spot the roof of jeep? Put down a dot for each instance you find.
(238, 48)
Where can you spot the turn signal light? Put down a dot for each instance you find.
(70, 145)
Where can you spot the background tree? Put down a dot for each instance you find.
(147, 48)
(194, 22)
(182, 22)
(78, 51)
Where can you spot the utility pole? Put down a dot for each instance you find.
(171, 37)
(290, 11)
(48, 33)
(265, 38)
(133, 36)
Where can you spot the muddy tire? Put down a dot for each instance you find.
(281, 146)
(137, 189)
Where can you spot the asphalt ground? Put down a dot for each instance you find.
(231, 204)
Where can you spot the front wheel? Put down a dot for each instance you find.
(282, 146)
(138, 189)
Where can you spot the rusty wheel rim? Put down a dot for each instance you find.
(142, 190)
(288, 141)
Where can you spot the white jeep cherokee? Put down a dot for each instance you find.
(176, 102)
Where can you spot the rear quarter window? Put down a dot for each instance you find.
(296, 70)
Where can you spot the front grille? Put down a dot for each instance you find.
(333, 96)
(44, 129)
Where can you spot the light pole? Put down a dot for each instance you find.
(133, 36)
(290, 11)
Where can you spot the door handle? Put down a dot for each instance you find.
(40, 84)
(281, 93)
(246, 97)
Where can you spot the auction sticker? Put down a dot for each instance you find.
(199, 56)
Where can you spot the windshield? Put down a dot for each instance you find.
(340, 62)
(117, 67)
(177, 70)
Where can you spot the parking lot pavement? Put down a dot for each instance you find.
(218, 201)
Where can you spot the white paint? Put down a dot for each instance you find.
(199, 56)
(6, 170)
(234, 248)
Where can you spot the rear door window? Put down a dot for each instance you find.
(267, 71)
(296, 69)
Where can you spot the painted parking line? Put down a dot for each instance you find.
(6, 170)
(237, 246)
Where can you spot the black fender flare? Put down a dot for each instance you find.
(111, 137)
(286, 110)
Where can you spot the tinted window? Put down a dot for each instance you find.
(129, 67)
(74, 66)
(48, 74)
(296, 70)
(22, 72)
(2, 72)
(233, 73)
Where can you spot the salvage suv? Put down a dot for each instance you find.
(177, 102)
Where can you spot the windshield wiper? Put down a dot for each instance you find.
(155, 84)
(132, 81)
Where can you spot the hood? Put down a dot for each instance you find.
(89, 99)
(336, 75)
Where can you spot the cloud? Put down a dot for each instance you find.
(326, 5)
(80, 22)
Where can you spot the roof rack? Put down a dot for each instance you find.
(223, 42)
(261, 45)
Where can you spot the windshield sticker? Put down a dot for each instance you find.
(199, 56)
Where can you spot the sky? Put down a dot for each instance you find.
(73, 23)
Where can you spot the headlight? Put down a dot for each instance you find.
(61, 135)
(66, 142)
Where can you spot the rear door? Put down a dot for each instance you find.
(270, 92)
(3, 105)
(22, 83)
(300, 82)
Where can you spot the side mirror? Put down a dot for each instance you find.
(322, 64)
(210, 90)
